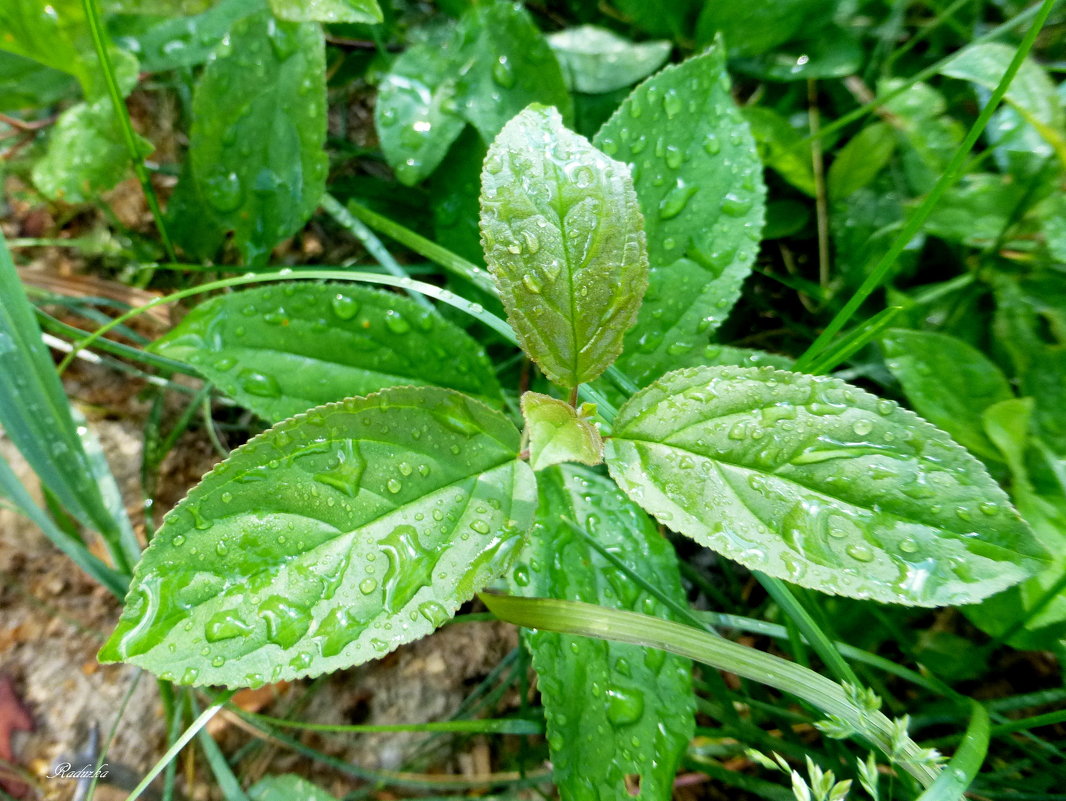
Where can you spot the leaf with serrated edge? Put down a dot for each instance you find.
(598, 60)
(564, 239)
(508, 65)
(415, 109)
(638, 701)
(948, 382)
(557, 433)
(280, 350)
(699, 181)
(259, 126)
(329, 540)
(817, 482)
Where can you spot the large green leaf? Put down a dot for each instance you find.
(564, 239)
(367, 11)
(616, 713)
(597, 60)
(54, 34)
(258, 167)
(947, 382)
(280, 350)
(86, 153)
(756, 26)
(817, 482)
(416, 109)
(699, 182)
(287, 787)
(329, 540)
(509, 65)
(36, 416)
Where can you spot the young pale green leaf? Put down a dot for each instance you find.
(415, 113)
(699, 182)
(287, 787)
(329, 11)
(508, 65)
(817, 482)
(947, 382)
(597, 60)
(329, 540)
(258, 167)
(279, 350)
(558, 433)
(781, 148)
(86, 154)
(564, 239)
(619, 716)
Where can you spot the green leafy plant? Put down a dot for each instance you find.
(618, 206)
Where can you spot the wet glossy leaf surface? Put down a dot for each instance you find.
(564, 239)
(596, 60)
(258, 167)
(416, 111)
(510, 65)
(614, 710)
(188, 41)
(948, 382)
(328, 11)
(329, 540)
(280, 350)
(699, 182)
(819, 483)
(559, 433)
(86, 154)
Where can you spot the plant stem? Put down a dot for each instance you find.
(96, 29)
(918, 217)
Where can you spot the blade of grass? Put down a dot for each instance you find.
(96, 29)
(573, 617)
(916, 219)
(959, 774)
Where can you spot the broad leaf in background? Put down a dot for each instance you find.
(929, 135)
(820, 483)
(329, 540)
(187, 41)
(564, 239)
(25, 83)
(619, 716)
(663, 18)
(861, 159)
(287, 787)
(1008, 424)
(280, 350)
(780, 146)
(557, 432)
(328, 11)
(1032, 129)
(510, 66)
(36, 417)
(454, 191)
(257, 163)
(699, 182)
(415, 113)
(828, 52)
(756, 26)
(977, 210)
(86, 154)
(948, 382)
(57, 35)
(596, 60)
(155, 7)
